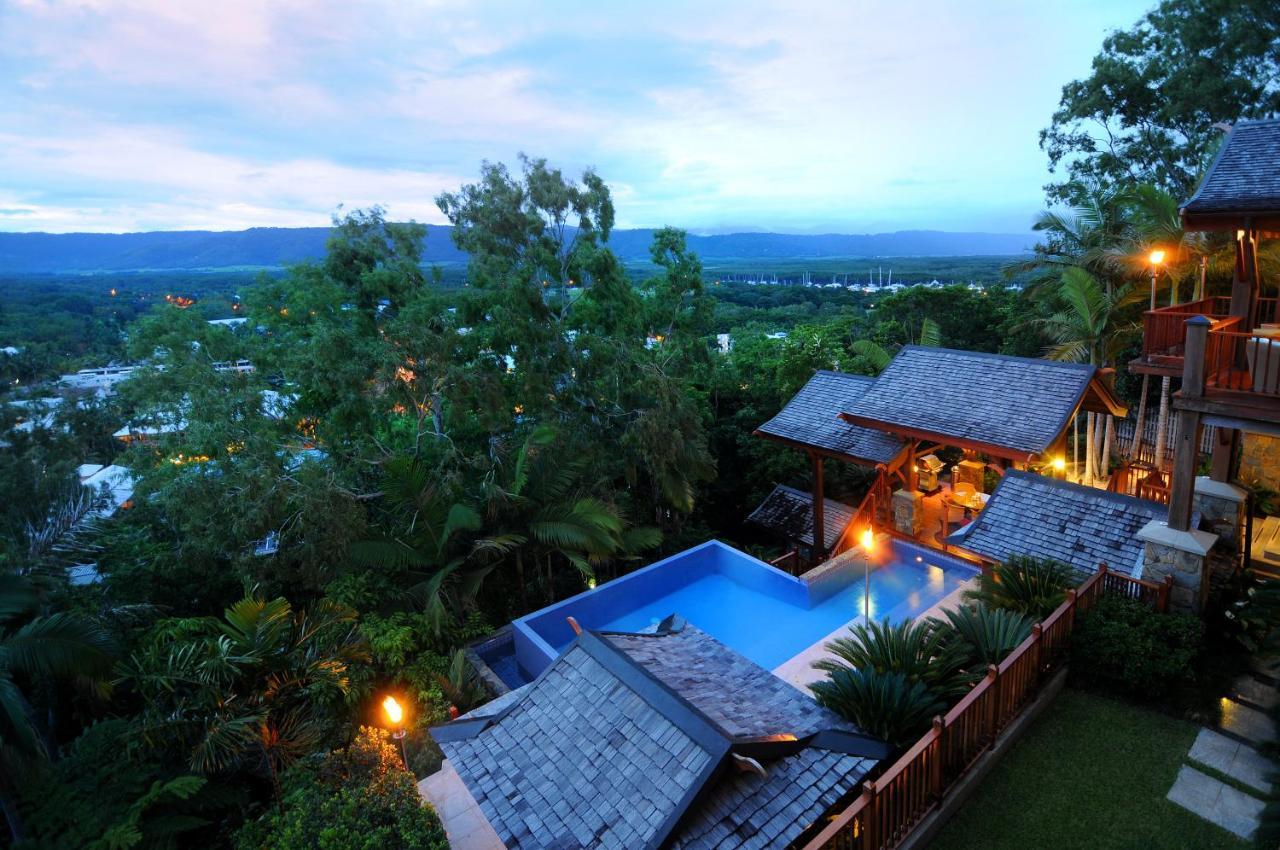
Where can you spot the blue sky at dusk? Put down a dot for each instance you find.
(809, 117)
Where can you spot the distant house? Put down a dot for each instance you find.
(113, 482)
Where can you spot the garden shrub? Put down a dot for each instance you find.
(1025, 584)
(1123, 646)
(360, 798)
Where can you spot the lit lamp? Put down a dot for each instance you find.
(1156, 258)
(395, 717)
(868, 543)
(1060, 466)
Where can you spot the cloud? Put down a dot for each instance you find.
(836, 116)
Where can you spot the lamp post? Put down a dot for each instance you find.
(868, 542)
(1156, 258)
(1060, 467)
(395, 716)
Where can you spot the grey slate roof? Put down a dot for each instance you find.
(812, 419)
(789, 512)
(1082, 526)
(626, 741)
(1245, 176)
(1017, 403)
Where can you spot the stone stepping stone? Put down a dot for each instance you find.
(1232, 758)
(1255, 692)
(1216, 802)
(1248, 723)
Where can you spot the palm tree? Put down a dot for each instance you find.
(878, 357)
(1083, 237)
(256, 690)
(35, 650)
(1090, 329)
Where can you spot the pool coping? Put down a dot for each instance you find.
(798, 670)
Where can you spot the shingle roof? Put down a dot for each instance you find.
(1021, 404)
(811, 418)
(1082, 526)
(629, 741)
(789, 512)
(1245, 176)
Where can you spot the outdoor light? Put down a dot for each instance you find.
(395, 716)
(1156, 258)
(1059, 465)
(868, 541)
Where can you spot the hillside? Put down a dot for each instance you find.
(28, 253)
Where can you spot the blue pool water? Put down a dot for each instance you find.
(762, 612)
(770, 630)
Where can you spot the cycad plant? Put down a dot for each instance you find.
(887, 704)
(1024, 584)
(913, 648)
(987, 635)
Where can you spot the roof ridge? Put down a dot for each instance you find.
(1083, 489)
(994, 355)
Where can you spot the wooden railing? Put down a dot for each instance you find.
(788, 561)
(893, 804)
(1140, 480)
(1164, 329)
(1153, 593)
(1242, 362)
(868, 514)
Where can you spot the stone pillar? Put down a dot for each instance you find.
(908, 512)
(970, 472)
(1182, 555)
(1221, 506)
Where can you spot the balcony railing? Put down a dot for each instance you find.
(1246, 363)
(1164, 329)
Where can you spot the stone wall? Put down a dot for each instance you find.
(1187, 569)
(1260, 460)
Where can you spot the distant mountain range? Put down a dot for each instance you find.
(29, 253)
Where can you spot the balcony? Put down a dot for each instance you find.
(1164, 331)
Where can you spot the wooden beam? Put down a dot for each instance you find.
(819, 526)
(1244, 293)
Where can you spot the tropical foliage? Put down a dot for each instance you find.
(1025, 585)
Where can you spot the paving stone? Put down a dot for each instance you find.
(1239, 761)
(1216, 802)
(1248, 723)
(1254, 691)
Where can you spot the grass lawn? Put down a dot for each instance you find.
(1091, 773)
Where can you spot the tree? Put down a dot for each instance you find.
(254, 691)
(1091, 329)
(1149, 110)
(35, 651)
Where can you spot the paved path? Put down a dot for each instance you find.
(1231, 751)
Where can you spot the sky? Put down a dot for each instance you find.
(849, 117)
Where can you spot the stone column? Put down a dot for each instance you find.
(1260, 460)
(1182, 555)
(908, 512)
(1221, 506)
(970, 472)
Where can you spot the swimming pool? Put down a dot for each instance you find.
(758, 610)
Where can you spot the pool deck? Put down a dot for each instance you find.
(798, 671)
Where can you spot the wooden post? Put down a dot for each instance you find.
(869, 816)
(997, 710)
(1162, 597)
(1224, 453)
(819, 526)
(1244, 280)
(935, 777)
(1037, 631)
(913, 479)
(1187, 448)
